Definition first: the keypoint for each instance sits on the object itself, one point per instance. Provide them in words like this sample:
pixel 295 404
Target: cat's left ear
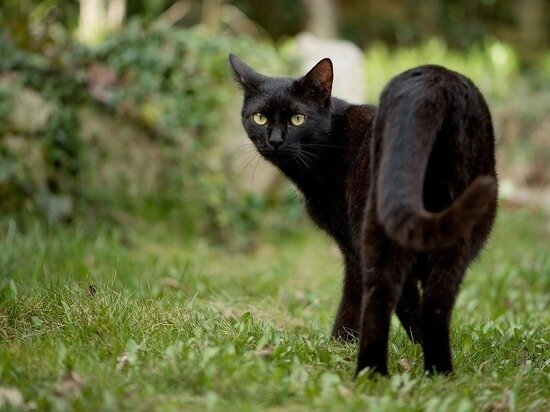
pixel 317 83
pixel 249 79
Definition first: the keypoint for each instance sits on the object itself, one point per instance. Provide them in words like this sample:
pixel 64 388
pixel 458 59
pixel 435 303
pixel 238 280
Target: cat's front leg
pixel 346 325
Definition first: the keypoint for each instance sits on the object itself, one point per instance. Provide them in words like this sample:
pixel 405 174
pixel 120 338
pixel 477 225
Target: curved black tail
pixel 407 146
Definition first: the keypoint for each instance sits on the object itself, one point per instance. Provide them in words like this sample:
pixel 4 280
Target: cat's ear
pixel 317 83
pixel 245 75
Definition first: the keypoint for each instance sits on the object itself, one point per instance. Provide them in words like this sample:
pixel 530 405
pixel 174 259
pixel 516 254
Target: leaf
pixel 67 311
pixel 169 283
pixel 13 287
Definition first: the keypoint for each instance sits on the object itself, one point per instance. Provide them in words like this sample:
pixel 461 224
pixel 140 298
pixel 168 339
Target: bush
pixel 493 67
pixel 172 83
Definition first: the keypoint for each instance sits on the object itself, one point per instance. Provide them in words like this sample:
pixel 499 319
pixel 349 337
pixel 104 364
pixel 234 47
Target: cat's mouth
pixel 274 154
pixel 280 152
pixel 288 156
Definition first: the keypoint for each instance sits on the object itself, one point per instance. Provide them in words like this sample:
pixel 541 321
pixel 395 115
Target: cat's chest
pixel 338 206
pixel 331 215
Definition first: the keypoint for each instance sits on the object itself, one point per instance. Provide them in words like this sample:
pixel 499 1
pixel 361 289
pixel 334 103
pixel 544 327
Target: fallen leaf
pixel 122 361
pixel 31 406
pixel 169 283
pixel 502 405
pixel 265 352
pixel 71 385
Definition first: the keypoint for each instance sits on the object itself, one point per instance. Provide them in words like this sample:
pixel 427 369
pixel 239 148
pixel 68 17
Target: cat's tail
pixel 400 185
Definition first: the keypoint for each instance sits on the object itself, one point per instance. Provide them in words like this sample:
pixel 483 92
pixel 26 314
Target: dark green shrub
pixel 174 84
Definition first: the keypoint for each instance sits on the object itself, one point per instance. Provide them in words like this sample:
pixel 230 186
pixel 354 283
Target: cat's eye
pixel 259 119
pixel 298 119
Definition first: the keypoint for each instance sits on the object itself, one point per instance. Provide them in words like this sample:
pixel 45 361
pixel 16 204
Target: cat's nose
pixel 275 138
pixel 276 143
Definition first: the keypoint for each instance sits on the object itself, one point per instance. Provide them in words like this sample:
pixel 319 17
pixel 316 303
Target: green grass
pixel 173 324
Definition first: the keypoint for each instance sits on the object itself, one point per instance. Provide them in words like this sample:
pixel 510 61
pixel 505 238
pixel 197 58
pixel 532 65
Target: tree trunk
pixel 322 19
pixel 532 15
pixel 96 17
pixel 116 14
pixel 210 15
pixel 91 20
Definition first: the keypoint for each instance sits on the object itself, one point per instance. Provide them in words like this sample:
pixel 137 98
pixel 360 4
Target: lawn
pixel 96 318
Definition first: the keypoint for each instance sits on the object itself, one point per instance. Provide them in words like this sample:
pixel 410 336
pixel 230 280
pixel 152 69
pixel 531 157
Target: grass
pixel 144 319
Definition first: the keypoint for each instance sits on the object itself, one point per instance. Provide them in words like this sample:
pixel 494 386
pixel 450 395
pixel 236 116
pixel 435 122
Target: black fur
pixel 407 190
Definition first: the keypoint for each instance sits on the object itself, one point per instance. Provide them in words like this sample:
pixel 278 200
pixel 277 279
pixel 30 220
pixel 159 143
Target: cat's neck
pixel 345 156
pixel 340 173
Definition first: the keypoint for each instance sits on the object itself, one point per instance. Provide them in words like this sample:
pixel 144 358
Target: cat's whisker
pixel 255 168
pixel 239 163
pixel 307 163
pixel 321 145
pixel 310 156
pixel 243 154
pixel 247 162
pixel 238 148
pixel 315 155
pixel 249 148
pixel 243 157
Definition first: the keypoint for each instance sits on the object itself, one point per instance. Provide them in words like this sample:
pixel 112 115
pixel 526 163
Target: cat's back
pixel 436 83
pixel 357 125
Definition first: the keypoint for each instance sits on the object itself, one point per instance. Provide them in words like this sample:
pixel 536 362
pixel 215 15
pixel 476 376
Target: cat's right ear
pixel 317 83
pixel 245 75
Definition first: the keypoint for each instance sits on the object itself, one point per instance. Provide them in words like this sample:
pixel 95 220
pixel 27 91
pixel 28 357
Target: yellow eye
pixel 259 119
pixel 298 119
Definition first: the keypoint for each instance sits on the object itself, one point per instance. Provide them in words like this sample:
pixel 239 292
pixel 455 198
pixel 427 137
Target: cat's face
pixel 286 119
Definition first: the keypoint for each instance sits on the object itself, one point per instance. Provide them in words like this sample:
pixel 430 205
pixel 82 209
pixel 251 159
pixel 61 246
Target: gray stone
pixel 347 59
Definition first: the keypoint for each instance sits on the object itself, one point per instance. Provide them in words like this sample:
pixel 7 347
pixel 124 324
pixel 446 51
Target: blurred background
pixel 123 113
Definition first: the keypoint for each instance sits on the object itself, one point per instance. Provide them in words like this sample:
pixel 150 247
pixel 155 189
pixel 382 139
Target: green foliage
pixel 6 95
pixel 34 25
pixel 41 147
pixel 172 79
pixel 174 88
pixel 172 83
pixel 494 68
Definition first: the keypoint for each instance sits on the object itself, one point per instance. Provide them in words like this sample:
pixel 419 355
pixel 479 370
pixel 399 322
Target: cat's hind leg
pixel 440 289
pixel 408 310
pixel 385 267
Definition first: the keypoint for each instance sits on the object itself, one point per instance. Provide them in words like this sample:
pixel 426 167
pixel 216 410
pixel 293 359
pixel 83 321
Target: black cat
pixel 408 190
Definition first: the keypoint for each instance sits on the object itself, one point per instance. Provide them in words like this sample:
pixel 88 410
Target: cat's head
pixel 286 118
